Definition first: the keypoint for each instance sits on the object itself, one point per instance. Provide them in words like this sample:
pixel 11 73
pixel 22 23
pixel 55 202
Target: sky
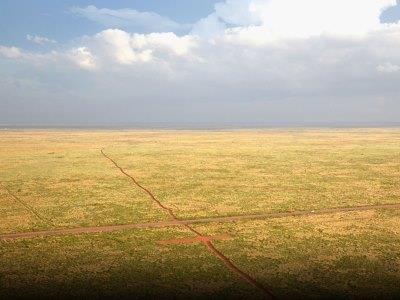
pixel 234 61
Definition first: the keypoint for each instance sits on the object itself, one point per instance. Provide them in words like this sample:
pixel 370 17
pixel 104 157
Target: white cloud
pixel 129 19
pixel 82 57
pixel 259 59
pixel 261 21
pixel 167 41
pixel 113 47
pixel 228 13
pixel 239 12
pixel 388 68
pixel 209 27
pixel 116 44
pixel 39 39
pixel 256 23
pixel 11 52
pixel 125 48
pixel 302 19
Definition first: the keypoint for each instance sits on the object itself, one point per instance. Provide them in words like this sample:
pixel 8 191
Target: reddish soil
pixel 206 240
pixel 267 291
pixel 196 239
pixel 207 243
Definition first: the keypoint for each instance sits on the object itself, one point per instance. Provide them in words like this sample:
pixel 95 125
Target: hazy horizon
pixel 200 125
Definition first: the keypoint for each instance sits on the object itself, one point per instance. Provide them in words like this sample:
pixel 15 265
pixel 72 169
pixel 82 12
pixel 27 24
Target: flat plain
pixel 54 180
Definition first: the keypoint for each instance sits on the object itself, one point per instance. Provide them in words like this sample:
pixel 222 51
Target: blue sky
pixel 54 19
pixel 391 14
pixel 272 61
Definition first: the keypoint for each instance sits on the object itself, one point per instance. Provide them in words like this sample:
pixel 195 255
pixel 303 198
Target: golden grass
pixel 64 177
pixel 197 173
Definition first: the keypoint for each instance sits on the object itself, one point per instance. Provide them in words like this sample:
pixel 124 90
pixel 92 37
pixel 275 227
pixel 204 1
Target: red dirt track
pixel 210 246
pixel 162 224
pixel 175 221
pixel 196 239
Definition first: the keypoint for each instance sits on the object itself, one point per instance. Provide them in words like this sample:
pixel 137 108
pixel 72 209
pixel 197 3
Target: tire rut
pixel 210 246
pixel 27 206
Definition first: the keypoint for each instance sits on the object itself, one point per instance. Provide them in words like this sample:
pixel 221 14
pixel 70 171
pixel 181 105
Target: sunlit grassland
pixel 118 265
pixel 352 255
pixel 64 177
pixel 346 255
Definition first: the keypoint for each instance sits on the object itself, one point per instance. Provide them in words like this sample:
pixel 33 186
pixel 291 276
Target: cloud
pixel 227 14
pixel 247 61
pixel 168 42
pixel 129 19
pixel 239 12
pixel 39 39
pixel 208 27
pixel 111 48
pixel 314 17
pixel 388 68
pixel 234 25
pixel 286 19
pixel 124 48
pixel 264 20
pixel 82 57
pixel 116 44
pixel 11 52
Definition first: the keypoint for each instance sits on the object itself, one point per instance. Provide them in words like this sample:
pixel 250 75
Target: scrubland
pixel 62 176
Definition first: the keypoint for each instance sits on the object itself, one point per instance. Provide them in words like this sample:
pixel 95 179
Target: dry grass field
pixel 59 179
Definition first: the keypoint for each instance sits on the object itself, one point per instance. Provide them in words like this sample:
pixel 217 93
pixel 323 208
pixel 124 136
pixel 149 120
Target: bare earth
pixel 272 215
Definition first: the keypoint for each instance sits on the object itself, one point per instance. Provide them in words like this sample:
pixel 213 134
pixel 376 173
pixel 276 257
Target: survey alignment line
pixel 210 246
pixel 172 223
pixel 27 206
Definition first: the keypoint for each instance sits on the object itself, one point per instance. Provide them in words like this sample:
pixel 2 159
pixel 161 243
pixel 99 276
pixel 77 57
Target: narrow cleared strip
pixel 162 224
pixel 196 239
pixel 27 206
pixel 82 230
pixel 208 244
